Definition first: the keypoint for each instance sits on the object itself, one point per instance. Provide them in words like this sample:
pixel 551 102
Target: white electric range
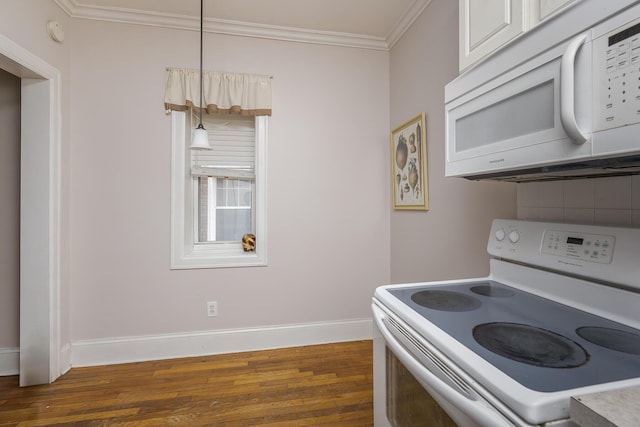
pixel 558 316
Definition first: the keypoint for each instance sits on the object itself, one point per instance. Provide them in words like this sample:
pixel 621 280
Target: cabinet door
pixel 542 9
pixel 485 25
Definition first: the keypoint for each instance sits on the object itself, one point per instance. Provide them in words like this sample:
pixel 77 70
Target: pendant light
pixel 200 138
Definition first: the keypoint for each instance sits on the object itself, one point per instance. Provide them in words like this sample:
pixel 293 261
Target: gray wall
pixel 9 210
pixel 449 241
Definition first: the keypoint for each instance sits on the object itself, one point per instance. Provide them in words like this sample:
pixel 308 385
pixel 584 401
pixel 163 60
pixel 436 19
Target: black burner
pixel 614 339
pixel 445 300
pixel 530 345
pixel 492 291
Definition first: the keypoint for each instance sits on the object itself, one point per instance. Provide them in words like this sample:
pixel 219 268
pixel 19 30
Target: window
pixel 218 195
pixel 224 209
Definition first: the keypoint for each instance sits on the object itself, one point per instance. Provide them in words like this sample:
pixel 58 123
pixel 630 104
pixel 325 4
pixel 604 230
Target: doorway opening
pixel 39 318
pixel 9 222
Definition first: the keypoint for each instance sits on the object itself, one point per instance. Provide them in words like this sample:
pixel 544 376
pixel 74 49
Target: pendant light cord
pixel 201 76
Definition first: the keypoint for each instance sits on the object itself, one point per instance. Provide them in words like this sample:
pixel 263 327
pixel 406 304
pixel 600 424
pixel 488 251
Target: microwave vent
pixel 596 168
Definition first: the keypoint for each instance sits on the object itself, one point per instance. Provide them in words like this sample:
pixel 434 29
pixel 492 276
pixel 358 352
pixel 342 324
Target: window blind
pixel 233 140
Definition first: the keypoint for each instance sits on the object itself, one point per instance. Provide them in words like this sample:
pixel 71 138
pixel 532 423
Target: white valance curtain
pixel 246 94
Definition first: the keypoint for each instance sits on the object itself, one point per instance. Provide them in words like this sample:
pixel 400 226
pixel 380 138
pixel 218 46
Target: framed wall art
pixel 409 165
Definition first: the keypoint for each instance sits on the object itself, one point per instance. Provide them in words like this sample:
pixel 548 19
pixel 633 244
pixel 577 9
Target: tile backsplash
pixel 604 201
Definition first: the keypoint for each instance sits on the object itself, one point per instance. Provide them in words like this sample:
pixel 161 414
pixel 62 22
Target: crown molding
pixel 220 26
pixel 405 22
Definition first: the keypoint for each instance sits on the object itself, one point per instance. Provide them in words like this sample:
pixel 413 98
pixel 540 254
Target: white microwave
pixel 570 111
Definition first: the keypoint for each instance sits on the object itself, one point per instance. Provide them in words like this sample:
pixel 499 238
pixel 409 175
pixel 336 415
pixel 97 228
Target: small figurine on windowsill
pixel 249 242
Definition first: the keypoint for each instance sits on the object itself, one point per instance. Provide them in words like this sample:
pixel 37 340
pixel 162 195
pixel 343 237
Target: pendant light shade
pixel 200 138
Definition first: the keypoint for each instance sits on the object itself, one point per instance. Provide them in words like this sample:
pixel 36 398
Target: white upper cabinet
pixel 486 25
pixel 542 9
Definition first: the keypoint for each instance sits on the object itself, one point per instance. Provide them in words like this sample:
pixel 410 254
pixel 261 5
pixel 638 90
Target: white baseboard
pixel 9 361
pixel 65 359
pixel 144 348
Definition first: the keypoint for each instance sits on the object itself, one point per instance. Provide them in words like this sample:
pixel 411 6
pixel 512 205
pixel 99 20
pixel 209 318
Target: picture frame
pixel 409 179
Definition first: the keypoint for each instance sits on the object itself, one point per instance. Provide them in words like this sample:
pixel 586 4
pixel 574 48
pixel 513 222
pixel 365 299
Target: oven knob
pixel 500 235
pixel 514 236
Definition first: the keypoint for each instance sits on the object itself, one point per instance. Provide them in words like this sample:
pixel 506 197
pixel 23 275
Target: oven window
pixel 408 404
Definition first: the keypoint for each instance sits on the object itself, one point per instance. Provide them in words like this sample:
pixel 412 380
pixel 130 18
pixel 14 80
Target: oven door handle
pixel 472 405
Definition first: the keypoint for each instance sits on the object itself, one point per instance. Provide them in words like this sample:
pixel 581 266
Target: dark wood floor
pixel 322 385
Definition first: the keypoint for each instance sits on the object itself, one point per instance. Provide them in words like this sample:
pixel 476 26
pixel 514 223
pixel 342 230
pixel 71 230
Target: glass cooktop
pixel 542 344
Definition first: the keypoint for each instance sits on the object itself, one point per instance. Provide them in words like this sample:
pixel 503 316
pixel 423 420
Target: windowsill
pixel 204 260
pixel 217 255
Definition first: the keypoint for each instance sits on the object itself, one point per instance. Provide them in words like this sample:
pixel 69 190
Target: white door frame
pixel 40 360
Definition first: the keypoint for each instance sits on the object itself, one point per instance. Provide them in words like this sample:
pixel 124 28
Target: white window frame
pixel 185 253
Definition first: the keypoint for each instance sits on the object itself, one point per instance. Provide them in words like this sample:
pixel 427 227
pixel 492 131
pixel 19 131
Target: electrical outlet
pixel 212 308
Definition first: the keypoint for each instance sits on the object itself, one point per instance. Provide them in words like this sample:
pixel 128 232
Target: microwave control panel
pixel 616 69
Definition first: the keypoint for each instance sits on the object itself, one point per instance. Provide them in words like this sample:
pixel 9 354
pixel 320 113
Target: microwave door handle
pixel 567 90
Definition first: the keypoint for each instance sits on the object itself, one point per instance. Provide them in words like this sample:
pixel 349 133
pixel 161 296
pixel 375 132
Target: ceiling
pixel 374 24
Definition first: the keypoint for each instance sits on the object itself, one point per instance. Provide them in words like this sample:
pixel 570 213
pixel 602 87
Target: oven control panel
pixel 586 247
pixel 610 254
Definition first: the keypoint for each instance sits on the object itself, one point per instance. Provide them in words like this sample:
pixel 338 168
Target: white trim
pixel 30 68
pixel 65 358
pixel 246 29
pixel 184 253
pixel 212 197
pixel 9 361
pixel 170 346
pixel 410 15
pixel 23 63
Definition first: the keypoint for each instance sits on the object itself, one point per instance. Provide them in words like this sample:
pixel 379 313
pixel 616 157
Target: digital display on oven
pixel 575 240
